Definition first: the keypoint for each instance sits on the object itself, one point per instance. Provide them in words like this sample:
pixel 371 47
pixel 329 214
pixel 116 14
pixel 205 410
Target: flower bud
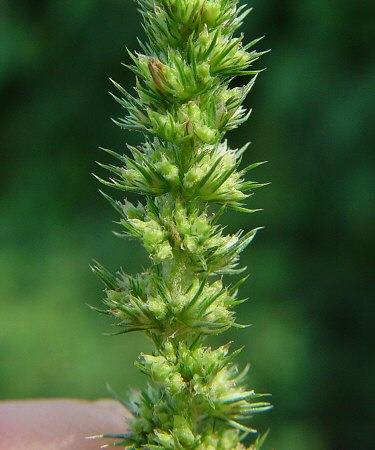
pixel 156 69
pixel 204 38
pixel 169 352
pixel 206 134
pixel 182 431
pixel 192 176
pixel 165 439
pixel 191 243
pixel 157 307
pixel 167 170
pixel 212 12
pixel 176 384
pixel 203 71
pixel 152 232
pixel 163 251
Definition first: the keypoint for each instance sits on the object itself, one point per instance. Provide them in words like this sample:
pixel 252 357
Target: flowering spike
pixel 184 104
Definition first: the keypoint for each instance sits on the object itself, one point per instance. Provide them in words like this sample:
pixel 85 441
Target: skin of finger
pixel 58 424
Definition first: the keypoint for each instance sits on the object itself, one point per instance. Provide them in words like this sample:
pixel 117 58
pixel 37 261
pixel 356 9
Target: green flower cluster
pixel 211 174
pixel 216 393
pixel 149 302
pixel 184 103
pixel 170 228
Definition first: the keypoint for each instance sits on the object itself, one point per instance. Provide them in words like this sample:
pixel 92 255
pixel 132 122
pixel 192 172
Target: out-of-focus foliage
pixel 312 268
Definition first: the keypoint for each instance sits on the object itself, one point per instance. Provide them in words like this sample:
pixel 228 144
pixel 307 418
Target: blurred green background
pixel 312 268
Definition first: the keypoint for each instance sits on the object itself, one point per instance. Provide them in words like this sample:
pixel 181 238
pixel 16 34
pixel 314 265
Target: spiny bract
pixel 184 103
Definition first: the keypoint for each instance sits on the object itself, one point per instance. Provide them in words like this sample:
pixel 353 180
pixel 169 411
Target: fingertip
pixel 59 424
